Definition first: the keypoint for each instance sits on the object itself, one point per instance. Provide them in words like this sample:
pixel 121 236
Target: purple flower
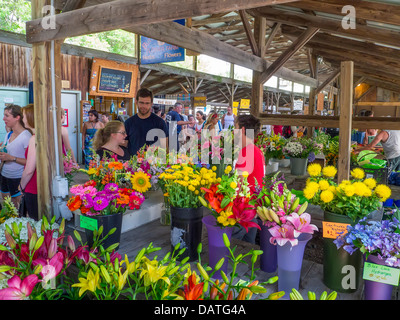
pixel 100 203
pixel 311 157
pixel 111 187
pixel 87 200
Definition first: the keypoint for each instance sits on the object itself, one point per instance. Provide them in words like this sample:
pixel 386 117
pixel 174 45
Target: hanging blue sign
pixel 154 51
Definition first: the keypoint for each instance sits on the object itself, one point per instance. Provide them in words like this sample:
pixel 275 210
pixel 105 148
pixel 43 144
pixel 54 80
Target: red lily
pixel 193 290
pixel 243 213
pixel 213 197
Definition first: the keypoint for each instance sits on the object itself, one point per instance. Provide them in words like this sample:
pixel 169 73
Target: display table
pixel 149 211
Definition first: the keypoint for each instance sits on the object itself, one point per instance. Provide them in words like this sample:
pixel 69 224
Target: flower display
pixel 355 198
pixel 271 145
pixel 301 147
pixel 280 210
pixel 111 200
pixel 380 238
pixel 70 167
pixel 183 183
pixel 229 200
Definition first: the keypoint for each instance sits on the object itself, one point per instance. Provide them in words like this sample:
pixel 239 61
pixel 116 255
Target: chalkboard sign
pixel 113 80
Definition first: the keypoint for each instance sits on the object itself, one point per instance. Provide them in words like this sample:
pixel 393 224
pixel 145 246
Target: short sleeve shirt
pixel 16 148
pixel 140 131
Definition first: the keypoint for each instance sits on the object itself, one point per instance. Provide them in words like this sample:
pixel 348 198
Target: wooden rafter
pixel 330 78
pixel 296 45
pixel 121 14
pixel 249 31
pixel 363 32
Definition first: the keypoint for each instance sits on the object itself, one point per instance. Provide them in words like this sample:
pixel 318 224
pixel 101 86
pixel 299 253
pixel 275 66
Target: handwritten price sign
pixel 333 229
pixel 382 274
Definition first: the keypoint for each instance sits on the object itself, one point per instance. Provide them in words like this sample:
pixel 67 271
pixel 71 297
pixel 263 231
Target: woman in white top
pixel 14 157
pixel 228 119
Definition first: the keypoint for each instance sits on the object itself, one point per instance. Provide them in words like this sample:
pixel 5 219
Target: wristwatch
pixel 15 159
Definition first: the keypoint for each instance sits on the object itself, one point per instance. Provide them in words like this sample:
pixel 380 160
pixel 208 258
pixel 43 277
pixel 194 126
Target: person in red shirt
pixel 250 163
pixel 251 158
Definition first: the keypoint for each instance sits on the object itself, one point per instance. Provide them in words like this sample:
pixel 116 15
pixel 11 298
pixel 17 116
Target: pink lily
pixel 243 213
pixel 302 223
pixel 17 289
pixel 51 268
pixel 283 234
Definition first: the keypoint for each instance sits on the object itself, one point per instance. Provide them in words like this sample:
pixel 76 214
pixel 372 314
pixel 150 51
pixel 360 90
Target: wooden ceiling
pixel 373 45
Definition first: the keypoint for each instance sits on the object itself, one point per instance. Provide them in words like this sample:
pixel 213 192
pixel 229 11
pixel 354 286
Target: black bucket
pixel 108 222
pixel 186 229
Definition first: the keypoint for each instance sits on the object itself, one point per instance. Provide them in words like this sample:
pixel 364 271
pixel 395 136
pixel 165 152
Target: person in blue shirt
pixel 145 128
pixel 175 122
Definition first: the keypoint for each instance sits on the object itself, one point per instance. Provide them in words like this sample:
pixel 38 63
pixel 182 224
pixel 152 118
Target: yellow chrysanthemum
pixel 349 190
pixel 326 196
pixel 309 193
pixel 357 173
pixel 233 185
pixel 370 183
pixel 360 188
pixel 329 171
pixel 323 185
pixel 383 192
pixel 140 182
pixel 314 169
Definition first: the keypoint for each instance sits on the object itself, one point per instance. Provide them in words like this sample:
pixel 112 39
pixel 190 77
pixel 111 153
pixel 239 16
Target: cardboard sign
pixel 88 223
pixel 381 274
pixel 333 229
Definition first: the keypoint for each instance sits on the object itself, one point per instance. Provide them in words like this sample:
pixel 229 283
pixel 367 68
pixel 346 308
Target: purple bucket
pixel 268 260
pixel 376 290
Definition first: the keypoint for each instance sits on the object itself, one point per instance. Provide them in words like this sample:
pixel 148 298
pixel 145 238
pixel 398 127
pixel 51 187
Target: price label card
pixel 382 274
pixel 333 229
pixel 88 223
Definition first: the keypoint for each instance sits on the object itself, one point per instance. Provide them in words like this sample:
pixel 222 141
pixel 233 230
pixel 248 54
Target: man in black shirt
pixel 145 128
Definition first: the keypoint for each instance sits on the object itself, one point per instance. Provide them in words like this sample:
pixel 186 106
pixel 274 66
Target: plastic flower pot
pixel 216 246
pixel 341 271
pixel 268 259
pixel 376 290
pixel 290 261
pixel 108 222
pixel 397 203
pixel 186 229
pixel 298 166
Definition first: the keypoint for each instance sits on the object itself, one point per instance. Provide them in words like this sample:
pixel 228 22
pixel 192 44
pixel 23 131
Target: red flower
pixel 243 213
pixel 193 290
pixel 213 197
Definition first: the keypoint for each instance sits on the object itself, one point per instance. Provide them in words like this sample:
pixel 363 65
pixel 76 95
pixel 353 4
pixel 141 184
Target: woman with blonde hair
pixel 109 141
pixel 28 183
pixel 212 123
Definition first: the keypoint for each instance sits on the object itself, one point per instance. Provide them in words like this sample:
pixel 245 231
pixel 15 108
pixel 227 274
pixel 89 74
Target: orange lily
pixel 245 291
pixel 193 290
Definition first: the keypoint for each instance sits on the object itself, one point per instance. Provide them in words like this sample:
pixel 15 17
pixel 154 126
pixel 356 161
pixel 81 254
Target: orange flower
pixel 74 203
pixel 123 199
pixel 115 165
pixel 193 290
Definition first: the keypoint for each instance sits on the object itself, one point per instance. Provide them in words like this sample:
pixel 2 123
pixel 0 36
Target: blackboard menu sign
pixel 113 80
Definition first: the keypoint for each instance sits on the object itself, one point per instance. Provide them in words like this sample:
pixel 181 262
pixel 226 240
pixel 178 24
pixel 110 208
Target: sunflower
pixel 140 182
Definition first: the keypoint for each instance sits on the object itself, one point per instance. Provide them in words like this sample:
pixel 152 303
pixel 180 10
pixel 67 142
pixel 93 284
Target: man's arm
pixel 381 136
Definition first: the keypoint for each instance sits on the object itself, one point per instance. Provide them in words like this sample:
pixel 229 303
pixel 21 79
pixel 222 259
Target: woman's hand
pixel 6 157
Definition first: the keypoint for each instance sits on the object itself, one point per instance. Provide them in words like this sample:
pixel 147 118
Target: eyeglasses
pixel 121 132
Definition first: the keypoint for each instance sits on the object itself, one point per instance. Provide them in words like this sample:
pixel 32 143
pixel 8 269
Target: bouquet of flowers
pixel 280 210
pixel 229 200
pixel 355 198
pixel 271 145
pixel 379 238
pixel 183 182
pixel 302 147
pixel 8 210
pixel 70 167
pixel 32 259
pixel 112 199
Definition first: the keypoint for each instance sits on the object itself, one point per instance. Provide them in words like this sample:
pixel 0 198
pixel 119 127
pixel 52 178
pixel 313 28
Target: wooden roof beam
pixel 290 52
pixel 122 14
pixel 249 32
pixel 363 32
pixel 332 77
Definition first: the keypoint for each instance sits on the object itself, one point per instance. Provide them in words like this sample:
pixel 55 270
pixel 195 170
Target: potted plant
pixel 344 203
pixel 377 241
pixel 300 151
pixel 183 184
pixel 272 147
pixel 229 203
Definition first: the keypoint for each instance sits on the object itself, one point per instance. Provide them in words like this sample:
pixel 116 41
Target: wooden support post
pixel 313 61
pixel 257 95
pixel 345 119
pixel 43 112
